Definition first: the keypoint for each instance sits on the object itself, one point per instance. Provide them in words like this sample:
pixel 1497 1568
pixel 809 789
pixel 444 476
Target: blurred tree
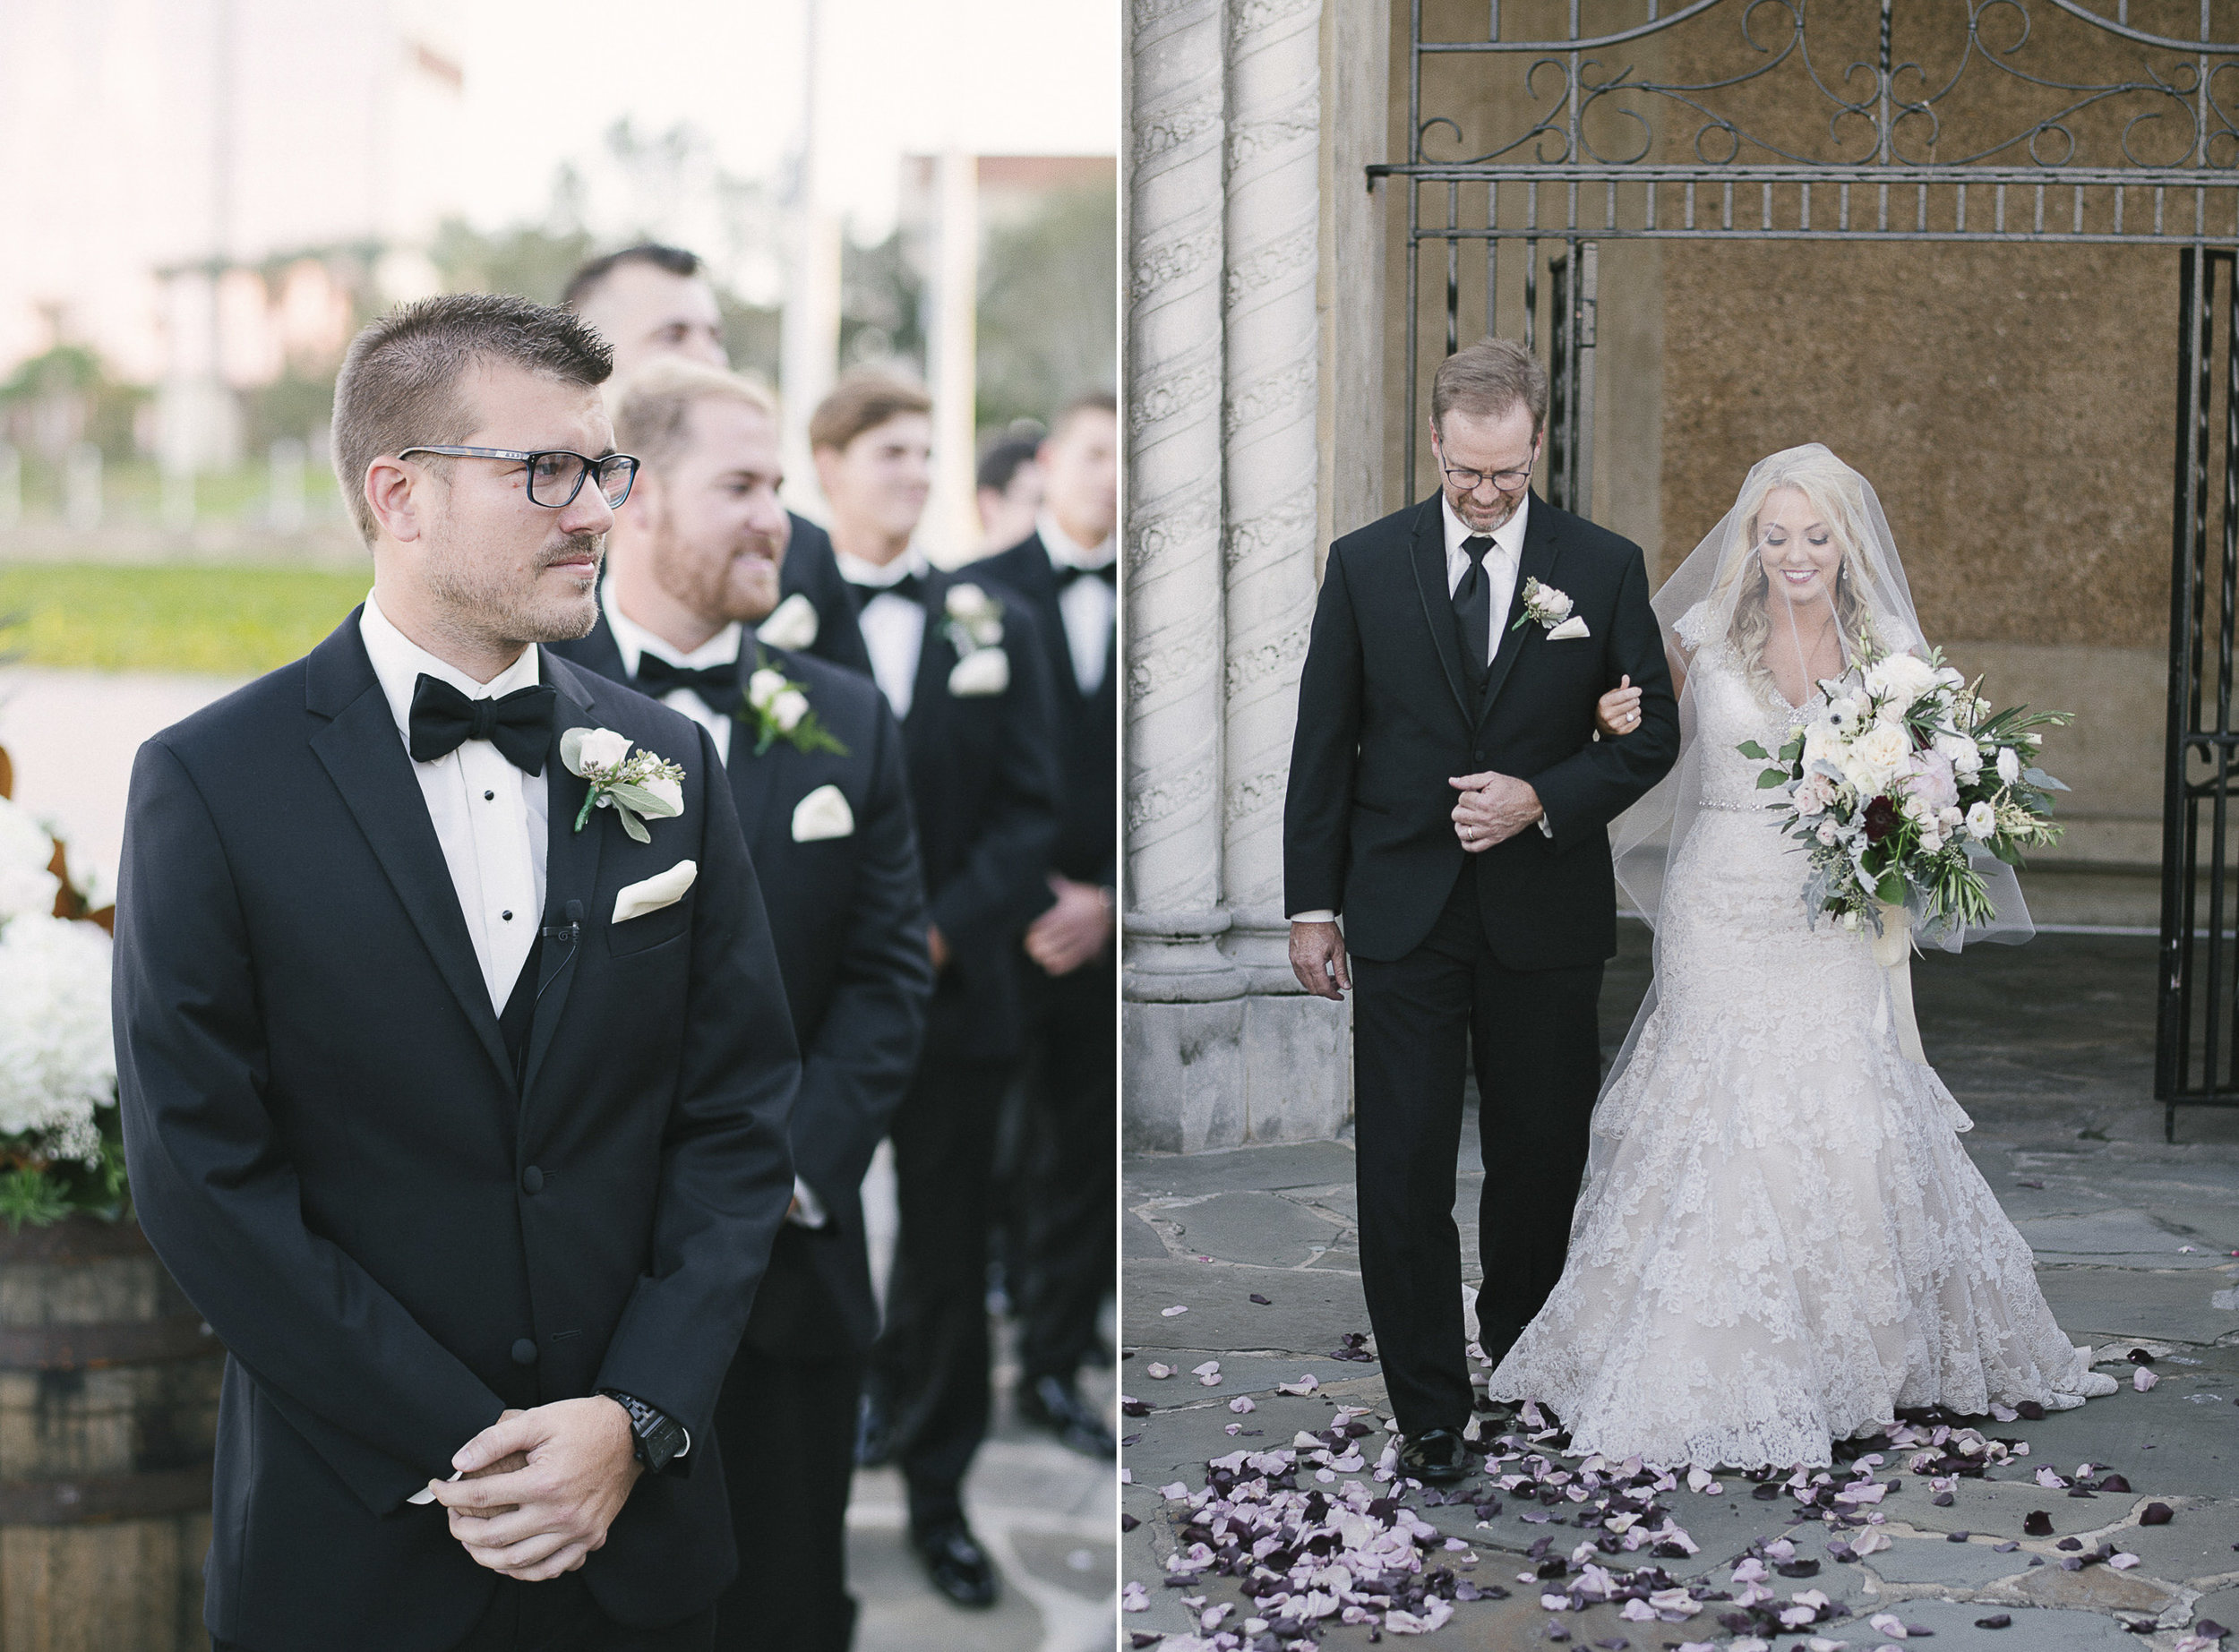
pixel 1048 310
pixel 65 395
pixel 882 303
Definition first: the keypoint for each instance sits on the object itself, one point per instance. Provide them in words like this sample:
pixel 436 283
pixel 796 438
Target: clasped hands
pixel 1492 809
pixel 537 1489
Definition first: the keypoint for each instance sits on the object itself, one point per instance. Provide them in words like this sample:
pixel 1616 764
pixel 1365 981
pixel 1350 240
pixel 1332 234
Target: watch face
pixel 661 1441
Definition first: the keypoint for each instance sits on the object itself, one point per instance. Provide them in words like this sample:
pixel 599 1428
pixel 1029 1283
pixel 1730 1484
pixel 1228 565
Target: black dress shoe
pixel 954 1559
pixel 1050 1402
pixel 1435 1457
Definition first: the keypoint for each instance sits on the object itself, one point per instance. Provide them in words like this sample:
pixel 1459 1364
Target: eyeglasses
pixel 555 478
pixel 1507 481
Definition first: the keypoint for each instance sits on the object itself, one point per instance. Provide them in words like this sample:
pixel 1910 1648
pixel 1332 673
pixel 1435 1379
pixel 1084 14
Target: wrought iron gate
pixel 1575 146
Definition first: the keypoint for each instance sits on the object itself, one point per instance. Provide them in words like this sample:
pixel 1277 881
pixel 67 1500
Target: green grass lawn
pixel 217 620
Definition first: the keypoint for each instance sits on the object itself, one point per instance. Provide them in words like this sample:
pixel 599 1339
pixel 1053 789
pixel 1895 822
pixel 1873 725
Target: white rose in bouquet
pixel 1902 678
pixel 57 1056
pixel 1930 779
pixel 2009 764
pixel 1982 821
pixel 1874 758
pixel 1827 832
pixel 1814 794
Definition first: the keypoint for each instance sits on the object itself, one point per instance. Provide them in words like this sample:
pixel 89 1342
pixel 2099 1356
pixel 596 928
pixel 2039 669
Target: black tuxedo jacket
pixel 396 1241
pixel 847 916
pixel 983 786
pixel 1088 725
pixel 1385 717
pixel 810 570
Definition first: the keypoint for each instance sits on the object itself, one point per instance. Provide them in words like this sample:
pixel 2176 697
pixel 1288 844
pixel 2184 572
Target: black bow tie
pixel 909 588
pixel 1109 573
pixel 717 685
pixel 519 724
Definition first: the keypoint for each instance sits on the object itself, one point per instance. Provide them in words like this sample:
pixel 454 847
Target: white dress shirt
pixel 1500 563
pixel 1086 604
pixel 490 817
pixel 730 644
pixel 893 627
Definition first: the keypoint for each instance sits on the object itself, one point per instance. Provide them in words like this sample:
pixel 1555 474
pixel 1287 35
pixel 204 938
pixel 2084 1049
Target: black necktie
pixel 719 685
pixel 1473 607
pixel 519 724
pixel 909 588
pixel 1109 573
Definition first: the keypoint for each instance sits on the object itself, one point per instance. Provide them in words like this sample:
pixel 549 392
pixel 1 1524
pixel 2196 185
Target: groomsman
pixel 1068 571
pixel 961 661
pixel 815 764
pixel 458 1109
pixel 649 301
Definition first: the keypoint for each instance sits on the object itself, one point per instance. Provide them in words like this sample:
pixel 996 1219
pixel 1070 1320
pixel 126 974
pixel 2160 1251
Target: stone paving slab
pixel 2049 1048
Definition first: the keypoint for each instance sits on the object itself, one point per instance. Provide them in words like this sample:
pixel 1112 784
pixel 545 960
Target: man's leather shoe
pixel 956 1562
pixel 1050 1402
pixel 1435 1457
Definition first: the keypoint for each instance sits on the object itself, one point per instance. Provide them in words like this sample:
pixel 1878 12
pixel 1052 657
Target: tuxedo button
pixel 524 1352
pixel 532 1180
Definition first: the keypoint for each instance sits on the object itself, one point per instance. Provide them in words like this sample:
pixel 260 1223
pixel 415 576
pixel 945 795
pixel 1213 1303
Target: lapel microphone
pixel 570 931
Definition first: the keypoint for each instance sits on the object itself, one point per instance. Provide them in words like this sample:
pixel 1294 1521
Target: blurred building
pixel 200 185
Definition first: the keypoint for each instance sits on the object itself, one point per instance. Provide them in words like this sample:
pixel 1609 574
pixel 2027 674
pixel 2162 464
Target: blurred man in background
pixel 650 301
pixel 1066 570
pixel 1009 488
pixel 962 662
pixel 822 797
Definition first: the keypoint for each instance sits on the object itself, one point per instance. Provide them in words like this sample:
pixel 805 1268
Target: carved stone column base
pixel 1182 1090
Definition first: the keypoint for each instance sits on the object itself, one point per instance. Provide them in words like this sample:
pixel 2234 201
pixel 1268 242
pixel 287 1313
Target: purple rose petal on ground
pixel 2002 1620
pixel 2115 1483
pixel 2154 1514
pixel 1262 1300
pixel 2036 1523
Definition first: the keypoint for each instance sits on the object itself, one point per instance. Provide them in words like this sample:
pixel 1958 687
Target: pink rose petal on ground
pixel 1306 1384
pixel 2142 1379
pixel 1135 1597
pixel 1170 1312
pixel 1241 1404
pixel 2122 1563
pixel 1158 1371
pixel 1888 1623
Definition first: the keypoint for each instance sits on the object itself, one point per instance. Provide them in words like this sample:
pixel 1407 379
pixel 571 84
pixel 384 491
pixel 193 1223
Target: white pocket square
pixel 1570 627
pixel 823 813
pixel 982 672
pixel 662 889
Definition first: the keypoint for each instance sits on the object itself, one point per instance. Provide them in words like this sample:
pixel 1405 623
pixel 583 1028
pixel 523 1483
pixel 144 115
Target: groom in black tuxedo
pixel 815 764
pixel 458 1110
pixel 1449 799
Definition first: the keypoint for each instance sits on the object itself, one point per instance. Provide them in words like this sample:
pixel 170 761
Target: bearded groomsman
pixel 456 1102
pixel 649 301
pixel 1068 571
pixel 815 765
pixel 963 664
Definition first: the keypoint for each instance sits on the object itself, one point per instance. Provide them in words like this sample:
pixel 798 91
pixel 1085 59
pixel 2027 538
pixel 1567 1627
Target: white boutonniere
pixel 791 624
pixel 974 625
pixel 638 786
pixel 778 709
pixel 1544 604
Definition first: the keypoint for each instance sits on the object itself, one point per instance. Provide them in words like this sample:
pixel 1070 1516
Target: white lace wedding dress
pixel 1785 1241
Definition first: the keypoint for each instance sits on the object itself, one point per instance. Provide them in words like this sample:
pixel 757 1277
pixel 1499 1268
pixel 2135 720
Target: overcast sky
pixel 901 76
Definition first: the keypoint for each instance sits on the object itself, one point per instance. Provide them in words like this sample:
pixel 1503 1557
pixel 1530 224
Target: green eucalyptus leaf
pixel 643 802
pixel 631 823
pixel 1770 778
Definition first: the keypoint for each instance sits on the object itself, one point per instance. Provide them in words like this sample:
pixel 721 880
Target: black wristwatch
pixel 658 1438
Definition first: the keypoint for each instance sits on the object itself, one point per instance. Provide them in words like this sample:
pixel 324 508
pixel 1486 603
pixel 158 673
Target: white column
pixel 808 328
pixel 1295 1067
pixel 1184 1020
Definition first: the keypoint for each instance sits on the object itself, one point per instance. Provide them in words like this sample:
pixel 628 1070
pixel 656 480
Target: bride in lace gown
pixel 1782 1240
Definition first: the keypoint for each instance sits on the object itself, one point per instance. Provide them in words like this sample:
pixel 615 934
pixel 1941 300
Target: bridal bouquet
pixel 1900 783
pixel 61 1140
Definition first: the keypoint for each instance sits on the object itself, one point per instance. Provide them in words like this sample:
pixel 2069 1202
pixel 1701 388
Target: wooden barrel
pixel 108 1410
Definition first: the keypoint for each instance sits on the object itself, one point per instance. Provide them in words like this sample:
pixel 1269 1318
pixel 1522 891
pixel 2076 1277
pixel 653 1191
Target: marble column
pixel 1182 1028
pixel 1295 1049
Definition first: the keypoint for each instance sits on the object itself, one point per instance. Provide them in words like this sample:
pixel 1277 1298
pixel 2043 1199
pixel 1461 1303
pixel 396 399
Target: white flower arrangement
pixel 61 1146
pixel 974 624
pixel 1900 780
pixel 1542 603
pixel 638 788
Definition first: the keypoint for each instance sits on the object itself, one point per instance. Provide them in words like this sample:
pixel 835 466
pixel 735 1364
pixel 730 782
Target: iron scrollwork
pixel 1881 112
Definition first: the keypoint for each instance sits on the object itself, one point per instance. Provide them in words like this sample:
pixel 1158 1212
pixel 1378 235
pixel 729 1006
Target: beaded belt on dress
pixel 1742 807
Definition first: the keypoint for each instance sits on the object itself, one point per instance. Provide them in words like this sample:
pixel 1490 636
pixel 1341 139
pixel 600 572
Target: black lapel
pixel 935 657
pixel 570 861
pixel 365 756
pixel 1429 553
pixel 1540 547
pixel 754 781
pixel 1031 574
